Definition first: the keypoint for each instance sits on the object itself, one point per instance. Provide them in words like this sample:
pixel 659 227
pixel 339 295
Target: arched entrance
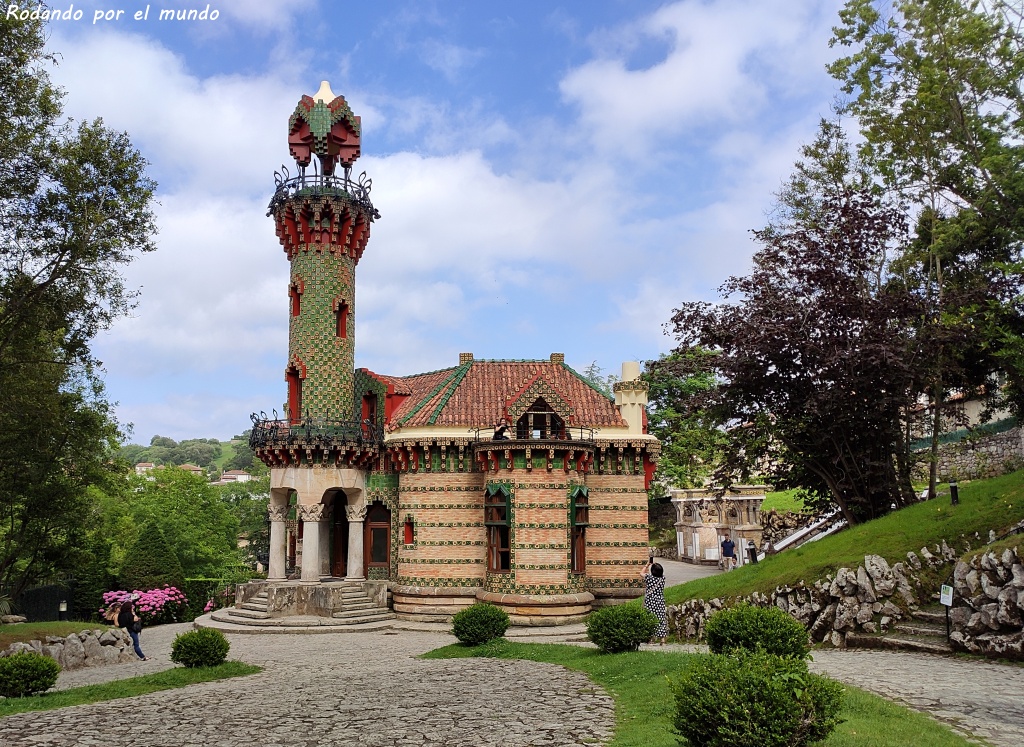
pixel 377 539
pixel 339 535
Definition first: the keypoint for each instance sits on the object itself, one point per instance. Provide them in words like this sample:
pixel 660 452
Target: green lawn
pixel 25 632
pixel 996 504
pixel 149 683
pixel 639 682
pixel 783 501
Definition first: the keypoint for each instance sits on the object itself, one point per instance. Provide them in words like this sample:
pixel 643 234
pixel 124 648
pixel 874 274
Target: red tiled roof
pixel 479 393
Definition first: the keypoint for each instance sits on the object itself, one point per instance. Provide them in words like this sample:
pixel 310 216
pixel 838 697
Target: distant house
pixel 232 476
pixel 143 468
pixel 193 469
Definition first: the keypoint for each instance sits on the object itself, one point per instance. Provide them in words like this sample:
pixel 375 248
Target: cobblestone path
pixel 329 690
pixel 976 697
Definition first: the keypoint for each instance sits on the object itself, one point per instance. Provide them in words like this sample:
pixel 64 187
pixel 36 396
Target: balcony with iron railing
pixel 316 184
pixel 321 433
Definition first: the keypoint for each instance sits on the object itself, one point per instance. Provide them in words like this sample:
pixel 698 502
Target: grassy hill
pixel 996 504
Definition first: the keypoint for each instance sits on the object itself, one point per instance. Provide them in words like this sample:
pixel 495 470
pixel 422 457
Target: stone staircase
pixel 924 633
pixel 357 610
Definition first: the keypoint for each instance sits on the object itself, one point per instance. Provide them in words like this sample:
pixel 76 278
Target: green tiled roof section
pixel 461 372
pixel 586 381
pixel 436 390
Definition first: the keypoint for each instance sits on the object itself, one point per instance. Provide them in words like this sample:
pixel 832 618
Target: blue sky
pixel 551 176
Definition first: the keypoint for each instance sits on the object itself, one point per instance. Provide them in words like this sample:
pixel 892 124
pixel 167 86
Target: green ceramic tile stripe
pixel 451 390
pixel 589 383
pixel 434 392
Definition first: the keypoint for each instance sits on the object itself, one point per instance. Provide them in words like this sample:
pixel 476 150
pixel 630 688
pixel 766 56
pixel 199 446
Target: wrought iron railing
pixel 275 432
pixel 573 433
pixel 316 184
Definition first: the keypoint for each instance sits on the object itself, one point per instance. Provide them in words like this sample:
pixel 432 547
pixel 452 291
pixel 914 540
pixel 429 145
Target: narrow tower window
pixel 294 394
pixel 579 508
pixel 296 298
pixel 342 319
pixel 496 519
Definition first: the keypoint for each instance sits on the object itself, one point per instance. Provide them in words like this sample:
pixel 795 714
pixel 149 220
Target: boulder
pixel 73 655
pixel 915 563
pixel 54 651
pixel 12 619
pixel 990 589
pixel 881 574
pixel 1017 571
pixel 93 651
pixel 864 614
pixel 865 592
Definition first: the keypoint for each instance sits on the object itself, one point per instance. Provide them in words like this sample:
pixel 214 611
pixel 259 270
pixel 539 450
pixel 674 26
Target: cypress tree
pixel 150 562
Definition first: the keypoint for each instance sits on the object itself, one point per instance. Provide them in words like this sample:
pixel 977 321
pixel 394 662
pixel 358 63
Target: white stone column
pixel 311 517
pixel 325 543
pixel 356 515
pixel 278 542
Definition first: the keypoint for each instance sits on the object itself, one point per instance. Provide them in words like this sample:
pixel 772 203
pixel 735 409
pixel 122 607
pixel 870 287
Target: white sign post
pixel 946 599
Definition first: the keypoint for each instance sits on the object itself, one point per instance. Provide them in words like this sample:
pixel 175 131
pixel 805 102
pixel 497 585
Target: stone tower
pixel 323 222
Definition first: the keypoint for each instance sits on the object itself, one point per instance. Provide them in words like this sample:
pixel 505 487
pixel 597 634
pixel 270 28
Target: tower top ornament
pixel 324 125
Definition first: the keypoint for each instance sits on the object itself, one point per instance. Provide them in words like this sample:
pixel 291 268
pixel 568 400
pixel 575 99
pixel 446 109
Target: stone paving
pixel 977 698
pixel 367 689
pixel 327 690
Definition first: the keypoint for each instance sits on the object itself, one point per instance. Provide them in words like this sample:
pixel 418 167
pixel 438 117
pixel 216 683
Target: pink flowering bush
pixel 153 607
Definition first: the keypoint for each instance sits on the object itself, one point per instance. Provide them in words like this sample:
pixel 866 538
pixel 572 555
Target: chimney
pixel 465 358
pixel 558 357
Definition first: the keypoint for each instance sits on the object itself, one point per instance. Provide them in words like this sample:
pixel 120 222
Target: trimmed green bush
pixel 150 563
pixel 754 698
pixel 205 647
pixel 479 623
pixel 767 629
pixel 620 628
pixel 27 673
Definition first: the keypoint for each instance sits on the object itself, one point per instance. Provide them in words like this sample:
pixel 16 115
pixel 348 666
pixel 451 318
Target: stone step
pixel 898 643
pixel 922 630
pixel 937 617
pixel 249 614
pixel 368 615
pixel 255 606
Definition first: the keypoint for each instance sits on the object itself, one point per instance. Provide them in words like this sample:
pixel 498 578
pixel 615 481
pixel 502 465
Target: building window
pixel 409 533
pixel 540 421
pixel 342 320
pixel 377 536
pixel 496 520
pixel 296 297
pixel 579 507
pixel 294 395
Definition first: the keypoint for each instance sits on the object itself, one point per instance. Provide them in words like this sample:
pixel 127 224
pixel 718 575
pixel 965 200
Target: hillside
pixel 997 503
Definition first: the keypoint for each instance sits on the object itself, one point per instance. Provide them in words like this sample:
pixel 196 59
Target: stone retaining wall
pixel 90 648
pixel 988 604
pixel 972 459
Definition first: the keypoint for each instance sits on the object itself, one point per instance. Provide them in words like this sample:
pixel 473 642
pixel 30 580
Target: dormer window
pixel 540 422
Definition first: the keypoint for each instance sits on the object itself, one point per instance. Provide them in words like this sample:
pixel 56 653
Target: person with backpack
pixel 127 619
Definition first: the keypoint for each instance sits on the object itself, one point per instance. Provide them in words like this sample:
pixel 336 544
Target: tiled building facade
pixel 405 480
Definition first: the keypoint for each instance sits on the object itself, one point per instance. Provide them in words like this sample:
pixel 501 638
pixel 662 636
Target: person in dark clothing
pixel 501 431
pixel 728 553
pixel 127 619
pixel 653 577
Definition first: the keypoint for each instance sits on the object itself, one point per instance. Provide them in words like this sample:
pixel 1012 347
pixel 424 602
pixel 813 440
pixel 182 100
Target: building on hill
pixel 509 481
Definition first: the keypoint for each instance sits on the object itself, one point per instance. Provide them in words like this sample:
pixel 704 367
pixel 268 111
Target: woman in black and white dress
pixel 654 597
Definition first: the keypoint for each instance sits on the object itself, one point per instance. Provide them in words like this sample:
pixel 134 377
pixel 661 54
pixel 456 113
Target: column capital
pixel 356 513
pixel 277 513
pixel 314 512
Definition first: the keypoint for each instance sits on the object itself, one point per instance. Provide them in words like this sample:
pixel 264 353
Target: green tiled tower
pixel 323 223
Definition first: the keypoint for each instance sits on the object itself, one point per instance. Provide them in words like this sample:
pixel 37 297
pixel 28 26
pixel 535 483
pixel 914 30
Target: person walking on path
pixel 728 553
pixel 654 597
pixel 131 622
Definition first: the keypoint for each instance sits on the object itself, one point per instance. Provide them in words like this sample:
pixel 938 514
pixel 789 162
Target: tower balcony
pixel 355 192
pixel 312 440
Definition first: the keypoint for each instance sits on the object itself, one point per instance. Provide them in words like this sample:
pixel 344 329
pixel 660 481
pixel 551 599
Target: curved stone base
pixel 539 610
pixel 430 604
pixel 611 597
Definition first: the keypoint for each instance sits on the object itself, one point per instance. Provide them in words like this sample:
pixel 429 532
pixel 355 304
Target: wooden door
pixel 377 538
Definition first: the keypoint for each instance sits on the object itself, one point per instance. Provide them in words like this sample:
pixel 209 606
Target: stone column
pixel 278 542
pixel 356 515
pixel 311 517
pixel 325 542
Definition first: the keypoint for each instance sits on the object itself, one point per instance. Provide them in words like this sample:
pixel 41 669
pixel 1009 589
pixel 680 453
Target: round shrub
pixel 754 698
pixel 767 629
pixel 205 647
pixel 479 623
pixel 27 673
pixel 621 628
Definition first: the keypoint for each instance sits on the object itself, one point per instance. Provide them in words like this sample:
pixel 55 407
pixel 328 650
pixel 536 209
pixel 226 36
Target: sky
pixel 551 176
